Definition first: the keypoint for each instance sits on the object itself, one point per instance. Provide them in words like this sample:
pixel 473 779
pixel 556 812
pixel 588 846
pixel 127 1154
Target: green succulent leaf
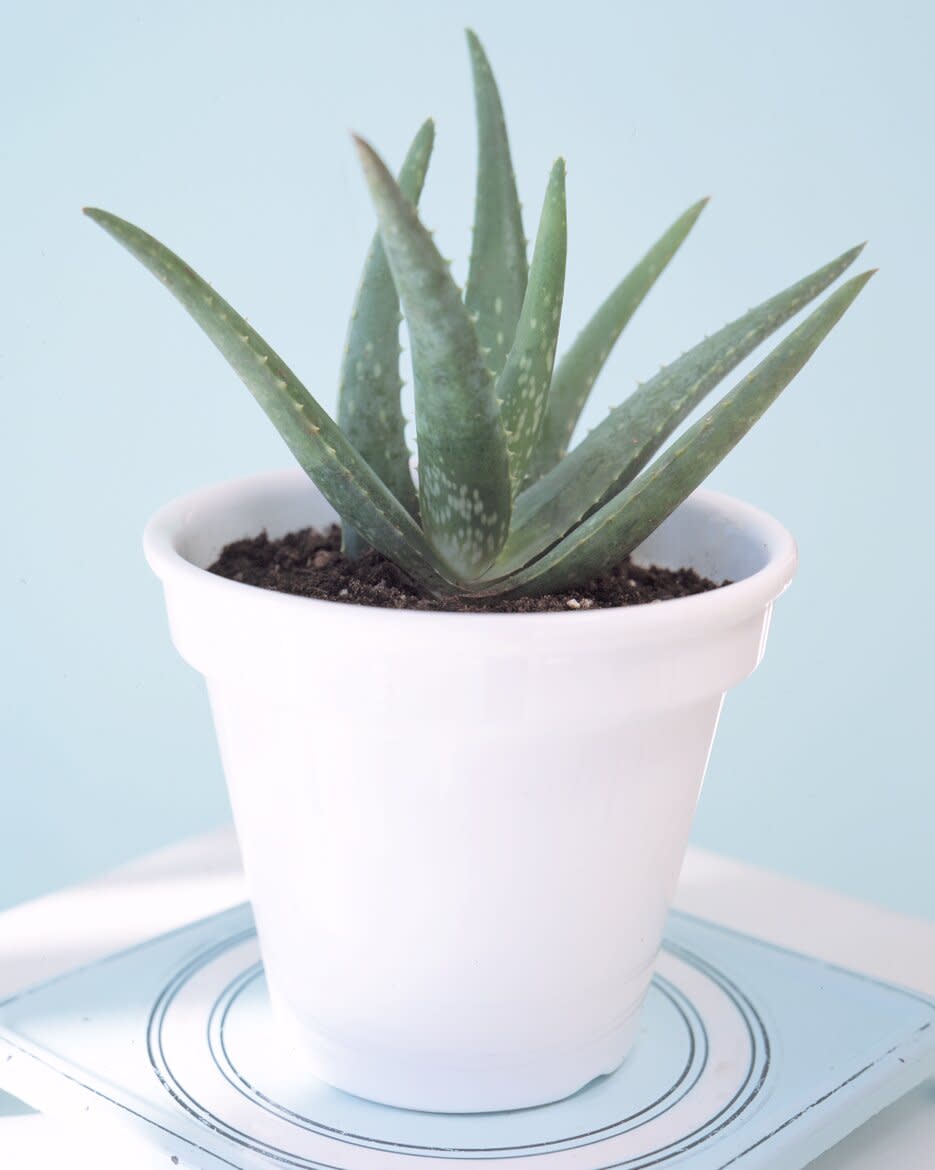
pixel 369 410
pixel 578 369
pixel 464 476
pixel 497 276
pixel 523 387
pixel 617 528
pixel 316 441
pixel 624 442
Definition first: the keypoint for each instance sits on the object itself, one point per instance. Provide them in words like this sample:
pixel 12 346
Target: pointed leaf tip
pixel 692 215
pixel 850 288
pixel 368 156
pixel 852 253
pixel 474 42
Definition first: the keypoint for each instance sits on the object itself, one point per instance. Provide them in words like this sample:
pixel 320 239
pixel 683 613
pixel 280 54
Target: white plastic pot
pixel 462 832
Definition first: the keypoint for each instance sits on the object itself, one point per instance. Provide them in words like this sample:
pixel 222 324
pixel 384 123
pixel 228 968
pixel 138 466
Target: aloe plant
pixel 501 507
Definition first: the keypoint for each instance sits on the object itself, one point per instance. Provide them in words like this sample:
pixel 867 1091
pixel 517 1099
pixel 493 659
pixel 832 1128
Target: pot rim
pixel 725 605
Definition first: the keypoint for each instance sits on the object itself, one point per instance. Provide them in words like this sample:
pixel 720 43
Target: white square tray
pixel 750 1056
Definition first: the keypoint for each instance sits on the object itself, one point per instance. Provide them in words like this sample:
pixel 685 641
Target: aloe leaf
pixel 464 476
pixel 614 531
pixel 369 410
pixel 523 387
pixel 624 442
pixel 497 275
pixel 578 369
pixel 316 440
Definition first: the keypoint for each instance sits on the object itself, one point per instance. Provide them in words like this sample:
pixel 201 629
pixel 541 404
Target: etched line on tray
pixel 700 1134
pixel 613 1129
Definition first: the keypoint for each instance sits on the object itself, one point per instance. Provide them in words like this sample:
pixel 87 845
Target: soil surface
pixel 310 563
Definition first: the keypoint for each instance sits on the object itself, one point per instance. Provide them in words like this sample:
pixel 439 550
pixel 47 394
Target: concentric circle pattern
pixel 701 1059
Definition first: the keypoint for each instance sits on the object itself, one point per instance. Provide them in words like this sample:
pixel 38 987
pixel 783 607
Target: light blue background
pixel 221 126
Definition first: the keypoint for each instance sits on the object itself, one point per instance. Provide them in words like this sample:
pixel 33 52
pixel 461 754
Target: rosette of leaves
pixel 501 506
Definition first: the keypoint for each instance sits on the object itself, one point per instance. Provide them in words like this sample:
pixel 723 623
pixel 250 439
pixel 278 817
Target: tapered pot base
pixel 451 1082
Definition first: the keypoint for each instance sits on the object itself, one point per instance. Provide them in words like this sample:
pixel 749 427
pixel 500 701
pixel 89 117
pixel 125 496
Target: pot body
pixel 462 832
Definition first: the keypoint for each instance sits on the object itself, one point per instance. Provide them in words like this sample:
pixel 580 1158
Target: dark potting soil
pixel 309 563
